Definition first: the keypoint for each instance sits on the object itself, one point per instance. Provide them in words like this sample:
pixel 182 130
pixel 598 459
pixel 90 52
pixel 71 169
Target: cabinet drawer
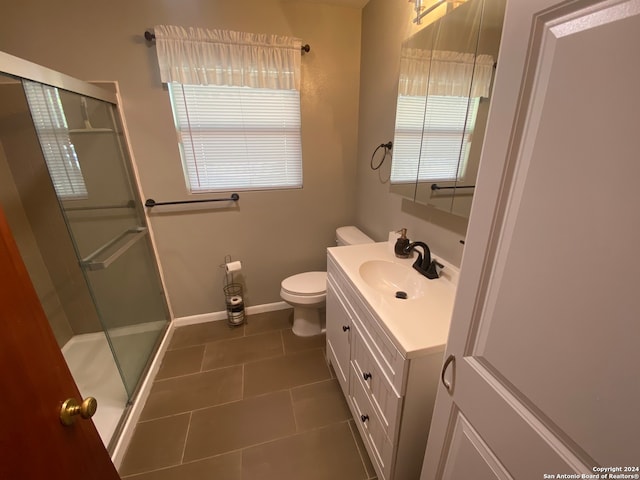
pixel 370 427
pixel 390 359
pixel 381 393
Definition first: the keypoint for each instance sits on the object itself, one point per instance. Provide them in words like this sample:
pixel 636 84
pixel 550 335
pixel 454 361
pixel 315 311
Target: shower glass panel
pixel 67 192
pixel 30 203
pixel 82 143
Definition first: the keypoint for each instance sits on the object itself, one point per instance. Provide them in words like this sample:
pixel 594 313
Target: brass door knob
pixel 70 409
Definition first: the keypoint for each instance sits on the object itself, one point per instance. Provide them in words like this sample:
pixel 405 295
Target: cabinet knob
pixel 366 375
pixel 364 418
pixel 346 328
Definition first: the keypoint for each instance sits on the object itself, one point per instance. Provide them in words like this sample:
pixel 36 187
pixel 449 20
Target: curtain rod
pixel 150 37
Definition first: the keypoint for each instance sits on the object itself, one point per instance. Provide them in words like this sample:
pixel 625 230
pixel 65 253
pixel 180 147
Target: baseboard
pixel 136 409
pixel 215 316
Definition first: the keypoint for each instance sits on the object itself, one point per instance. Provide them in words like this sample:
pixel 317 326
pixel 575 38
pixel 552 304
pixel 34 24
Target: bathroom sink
pixel 389 278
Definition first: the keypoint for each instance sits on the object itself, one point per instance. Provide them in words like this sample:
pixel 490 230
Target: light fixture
pixel 421 12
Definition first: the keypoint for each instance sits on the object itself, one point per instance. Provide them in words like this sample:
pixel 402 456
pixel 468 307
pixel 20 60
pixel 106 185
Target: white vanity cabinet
pixel 390 391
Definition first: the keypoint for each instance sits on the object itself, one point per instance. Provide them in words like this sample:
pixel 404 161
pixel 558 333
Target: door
pixel 35 381
pixel 542 371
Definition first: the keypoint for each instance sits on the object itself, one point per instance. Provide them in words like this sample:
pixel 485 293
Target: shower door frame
pixel 27 70
pixel 19 67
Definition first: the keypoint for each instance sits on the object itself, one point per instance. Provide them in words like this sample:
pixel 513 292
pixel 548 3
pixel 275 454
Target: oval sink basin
pixel 388 278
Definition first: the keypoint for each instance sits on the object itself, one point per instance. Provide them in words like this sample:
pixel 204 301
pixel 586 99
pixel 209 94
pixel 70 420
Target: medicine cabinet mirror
pixel 444 89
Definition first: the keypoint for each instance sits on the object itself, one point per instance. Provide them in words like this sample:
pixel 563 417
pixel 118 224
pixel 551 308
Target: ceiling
pixel 343 3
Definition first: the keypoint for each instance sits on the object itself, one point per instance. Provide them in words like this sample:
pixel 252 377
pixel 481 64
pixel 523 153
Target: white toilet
pixel 307 292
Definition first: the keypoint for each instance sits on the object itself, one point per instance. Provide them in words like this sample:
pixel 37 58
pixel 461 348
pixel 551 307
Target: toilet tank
pixel 351 235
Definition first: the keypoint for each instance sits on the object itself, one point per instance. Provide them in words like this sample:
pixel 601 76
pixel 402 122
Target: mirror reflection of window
pixel 447 120
pixel 436 113
pixel 53 133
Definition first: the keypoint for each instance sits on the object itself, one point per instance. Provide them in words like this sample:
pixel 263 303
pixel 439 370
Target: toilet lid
pixel 308 283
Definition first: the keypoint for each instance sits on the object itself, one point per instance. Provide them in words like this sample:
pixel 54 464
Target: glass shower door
pixel 82 142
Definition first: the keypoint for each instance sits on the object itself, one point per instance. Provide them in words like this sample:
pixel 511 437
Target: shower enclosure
pixel 68 191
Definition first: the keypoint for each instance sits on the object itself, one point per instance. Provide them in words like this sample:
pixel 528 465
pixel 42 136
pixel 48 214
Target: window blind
pixel 238 138
pixel 53 133
pixel 432 138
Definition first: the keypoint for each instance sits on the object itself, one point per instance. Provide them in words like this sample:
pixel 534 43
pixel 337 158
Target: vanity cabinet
pixel 391 392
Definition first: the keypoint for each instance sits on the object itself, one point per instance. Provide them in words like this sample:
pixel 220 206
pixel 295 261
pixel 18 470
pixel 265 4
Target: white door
pixel 545 339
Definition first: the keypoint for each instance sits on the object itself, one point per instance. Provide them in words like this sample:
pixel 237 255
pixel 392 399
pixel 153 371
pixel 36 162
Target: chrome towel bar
pixel 131 236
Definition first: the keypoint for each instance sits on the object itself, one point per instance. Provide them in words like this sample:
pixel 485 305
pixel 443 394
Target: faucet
pixel 424 265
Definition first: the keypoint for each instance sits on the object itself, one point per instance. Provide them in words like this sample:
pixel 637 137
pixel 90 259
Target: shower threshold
pixel 94 370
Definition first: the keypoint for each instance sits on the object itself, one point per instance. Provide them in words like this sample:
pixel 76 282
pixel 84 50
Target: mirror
pixel 446 75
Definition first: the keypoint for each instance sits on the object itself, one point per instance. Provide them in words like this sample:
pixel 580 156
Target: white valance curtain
pixel 198 56
pixel 444 73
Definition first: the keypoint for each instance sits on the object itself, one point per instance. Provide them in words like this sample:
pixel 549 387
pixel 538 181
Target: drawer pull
pixel 346 328
pixel 366 375
pixel 364 418
pixel 451 359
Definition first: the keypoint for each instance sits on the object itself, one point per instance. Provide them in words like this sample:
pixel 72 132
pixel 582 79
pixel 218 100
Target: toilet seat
pixel 308 284
pixel 307 292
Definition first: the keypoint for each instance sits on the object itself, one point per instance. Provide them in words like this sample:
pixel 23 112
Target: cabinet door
pixel 545 326
pixel 377 386
pixel 371 428
pixel 338 335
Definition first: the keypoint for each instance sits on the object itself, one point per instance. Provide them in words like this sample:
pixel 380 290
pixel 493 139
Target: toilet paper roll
pixel 235 300
pixel 237 317
pixel 233 266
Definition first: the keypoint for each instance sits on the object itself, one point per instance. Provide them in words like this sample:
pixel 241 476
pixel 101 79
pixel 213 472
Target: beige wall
pixel 274 233
pixel 385 25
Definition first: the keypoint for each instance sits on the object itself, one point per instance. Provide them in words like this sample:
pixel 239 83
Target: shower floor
pixel 94 370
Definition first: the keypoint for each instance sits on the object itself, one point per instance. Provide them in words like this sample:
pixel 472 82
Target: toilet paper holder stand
pixel 233 294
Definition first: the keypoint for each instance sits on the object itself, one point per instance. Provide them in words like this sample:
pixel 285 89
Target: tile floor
pixel 252 402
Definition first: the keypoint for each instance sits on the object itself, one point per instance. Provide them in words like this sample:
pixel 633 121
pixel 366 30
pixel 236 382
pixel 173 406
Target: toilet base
pixel 308 322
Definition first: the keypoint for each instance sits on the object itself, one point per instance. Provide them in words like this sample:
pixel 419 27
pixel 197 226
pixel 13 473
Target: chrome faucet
pixel 424 265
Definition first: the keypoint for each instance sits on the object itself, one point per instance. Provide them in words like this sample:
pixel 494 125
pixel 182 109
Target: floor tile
pixel 241 350
pixel 246 403
pixel 202 333
pixel 319 404
pixel 293 343
pixel 156 444
pixel 240 424
pixel 327 453
pixel 285 372
pixel 182 361
pixel 222 467
pixel 269 321
pixel 190 392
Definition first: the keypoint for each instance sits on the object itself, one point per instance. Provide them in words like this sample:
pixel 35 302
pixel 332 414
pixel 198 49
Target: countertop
pixel 417 326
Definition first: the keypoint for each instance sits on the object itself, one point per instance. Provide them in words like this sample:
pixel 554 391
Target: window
pixel 53 133
pixel 236 106
pixel 234 138
pixel 440 153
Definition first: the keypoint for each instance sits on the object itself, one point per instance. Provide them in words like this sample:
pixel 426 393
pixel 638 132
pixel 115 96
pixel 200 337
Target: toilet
pixel 307 292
